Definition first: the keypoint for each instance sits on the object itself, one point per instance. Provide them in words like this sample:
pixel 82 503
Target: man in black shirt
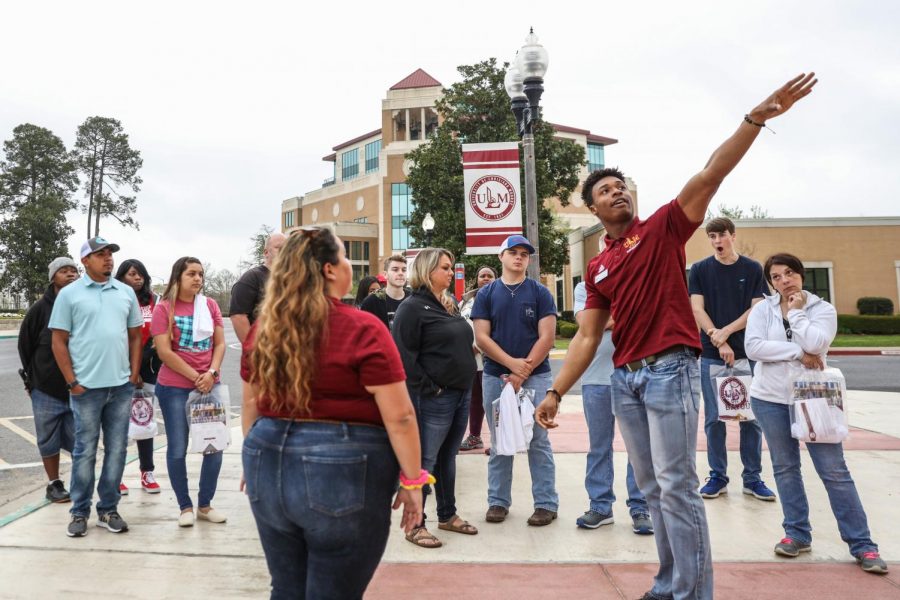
pixel 54 423
pixel 383 303
pixel 247 293
pixel 723 288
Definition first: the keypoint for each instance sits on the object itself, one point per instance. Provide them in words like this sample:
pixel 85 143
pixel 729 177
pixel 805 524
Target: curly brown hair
pixel 293 321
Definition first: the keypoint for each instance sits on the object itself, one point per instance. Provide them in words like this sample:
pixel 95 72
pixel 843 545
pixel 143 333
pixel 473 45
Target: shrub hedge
pixel 566 329
pixel 875 306
pixel 869 324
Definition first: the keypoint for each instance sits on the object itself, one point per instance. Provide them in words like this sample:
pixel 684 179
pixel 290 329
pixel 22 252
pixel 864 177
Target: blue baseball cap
pixel 516 240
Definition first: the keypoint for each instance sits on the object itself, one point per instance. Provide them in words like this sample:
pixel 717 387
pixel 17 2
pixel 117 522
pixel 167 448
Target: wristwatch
pixel 214 373
pixel 74 384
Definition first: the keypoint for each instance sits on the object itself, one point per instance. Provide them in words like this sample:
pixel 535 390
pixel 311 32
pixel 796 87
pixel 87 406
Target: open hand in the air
pixel 784 97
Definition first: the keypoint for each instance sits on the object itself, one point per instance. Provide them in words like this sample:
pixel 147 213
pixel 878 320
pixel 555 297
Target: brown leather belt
pixel 654 358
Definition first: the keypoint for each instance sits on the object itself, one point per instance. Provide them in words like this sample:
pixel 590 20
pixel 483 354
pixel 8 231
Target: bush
pixel 566 329
pixel 869 324
pixel 875 306
pixel 568 315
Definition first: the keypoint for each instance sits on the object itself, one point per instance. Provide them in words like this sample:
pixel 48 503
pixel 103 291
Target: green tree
pixel 736 212
pixel 37 179
pixel 475 110
pixel 109 164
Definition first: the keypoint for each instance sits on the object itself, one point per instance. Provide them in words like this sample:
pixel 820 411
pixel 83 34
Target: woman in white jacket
pixel 789 329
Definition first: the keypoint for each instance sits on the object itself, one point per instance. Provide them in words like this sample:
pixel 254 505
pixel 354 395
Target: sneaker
pixel 123 489
pixel 641 524
pixel 791 548
pixel 541 517
pixel 652 596
pixel 496 514
pixel 715 487
pixel 77 526
pixel 760 491
pixel 211 515
pixel 56 492
pixel 113 522
pixel 473 442
pixel 871 562
pixel 186 519
pixel 593 519
pixel 148 482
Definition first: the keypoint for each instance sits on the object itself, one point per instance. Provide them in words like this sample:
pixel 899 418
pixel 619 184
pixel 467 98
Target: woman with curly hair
pixel 332 427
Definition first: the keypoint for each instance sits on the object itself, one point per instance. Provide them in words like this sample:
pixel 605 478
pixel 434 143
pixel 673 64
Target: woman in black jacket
pixel 435 344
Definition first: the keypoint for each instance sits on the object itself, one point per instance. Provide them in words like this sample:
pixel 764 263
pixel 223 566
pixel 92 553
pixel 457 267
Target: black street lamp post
pixel 524 83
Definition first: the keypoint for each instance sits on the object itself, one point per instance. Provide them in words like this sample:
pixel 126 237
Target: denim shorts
pixel 53 423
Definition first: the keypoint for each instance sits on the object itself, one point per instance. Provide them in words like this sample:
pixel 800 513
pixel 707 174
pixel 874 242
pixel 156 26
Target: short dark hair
pixel 720 225
pixel 393 258
pixel 592 180
pixel 785 260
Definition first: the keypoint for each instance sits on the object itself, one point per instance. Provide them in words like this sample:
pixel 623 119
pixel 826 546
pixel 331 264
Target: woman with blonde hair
pixel 436 346
pixel 332 427
pixel 189 337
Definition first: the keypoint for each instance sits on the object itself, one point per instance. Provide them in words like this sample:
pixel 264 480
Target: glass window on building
pixel 372 151
pixel 415 123
pixel 358 255
pixel 289 219
pixel 560 297
pixel 816 281
pixel 402 205
pixel 594 156
pixel 349 164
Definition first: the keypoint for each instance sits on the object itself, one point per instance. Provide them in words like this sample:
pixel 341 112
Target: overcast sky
pixel 233 105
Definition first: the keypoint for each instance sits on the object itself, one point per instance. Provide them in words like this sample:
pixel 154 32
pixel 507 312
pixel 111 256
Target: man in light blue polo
pixel 96 324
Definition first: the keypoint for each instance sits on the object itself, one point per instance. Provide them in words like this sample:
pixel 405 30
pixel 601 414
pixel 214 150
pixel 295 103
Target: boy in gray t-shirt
pixel 598 479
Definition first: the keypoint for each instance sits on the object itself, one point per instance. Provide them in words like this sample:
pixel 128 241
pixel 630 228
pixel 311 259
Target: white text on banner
pixel 493 201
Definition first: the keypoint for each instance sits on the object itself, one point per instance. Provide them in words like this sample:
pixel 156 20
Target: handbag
pixel 818 410
pixel 142 423
pixel 732 386
pixel 208 418
pixel 513 420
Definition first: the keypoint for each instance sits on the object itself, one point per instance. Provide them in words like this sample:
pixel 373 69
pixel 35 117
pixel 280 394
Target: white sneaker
pixel 186 519
pixel 212 515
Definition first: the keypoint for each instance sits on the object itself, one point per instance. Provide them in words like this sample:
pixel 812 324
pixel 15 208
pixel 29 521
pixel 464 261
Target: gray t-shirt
pixel 600 370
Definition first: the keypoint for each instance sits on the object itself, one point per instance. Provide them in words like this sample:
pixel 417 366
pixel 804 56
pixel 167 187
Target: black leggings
pixel 145 454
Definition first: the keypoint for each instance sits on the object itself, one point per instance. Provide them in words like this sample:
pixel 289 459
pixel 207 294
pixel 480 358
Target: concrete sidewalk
pixel 156 559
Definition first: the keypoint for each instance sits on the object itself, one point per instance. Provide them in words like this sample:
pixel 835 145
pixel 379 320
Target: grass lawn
pixel 841 341
pixel 562 343
pixel 846 340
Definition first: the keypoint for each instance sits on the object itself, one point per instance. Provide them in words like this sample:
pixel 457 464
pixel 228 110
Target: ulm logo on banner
pixel 492 201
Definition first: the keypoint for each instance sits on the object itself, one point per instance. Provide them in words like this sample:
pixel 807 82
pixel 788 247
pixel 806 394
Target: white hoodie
pixel 813 328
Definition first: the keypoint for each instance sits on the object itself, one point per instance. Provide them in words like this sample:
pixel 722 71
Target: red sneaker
pixel 123 489
pixel 148 482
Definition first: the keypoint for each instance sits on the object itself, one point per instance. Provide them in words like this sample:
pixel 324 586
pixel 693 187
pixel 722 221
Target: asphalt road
pixel 21 470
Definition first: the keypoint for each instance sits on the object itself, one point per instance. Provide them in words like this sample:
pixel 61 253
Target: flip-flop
pixel 422 537
pixel 457 525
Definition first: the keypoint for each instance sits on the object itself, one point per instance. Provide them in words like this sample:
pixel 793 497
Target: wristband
pixel 755 124
pixel 424 478
pixel 557 394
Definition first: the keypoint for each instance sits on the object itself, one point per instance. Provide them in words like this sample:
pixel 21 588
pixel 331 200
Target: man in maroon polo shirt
pixel 638 279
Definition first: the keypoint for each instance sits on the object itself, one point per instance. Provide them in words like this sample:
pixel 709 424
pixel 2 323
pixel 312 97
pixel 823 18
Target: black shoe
pixel 56 492
pixel 113 522
pixel 652 596
pixel 77 527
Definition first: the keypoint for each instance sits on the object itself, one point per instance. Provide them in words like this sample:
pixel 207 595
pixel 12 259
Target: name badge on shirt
pixel 601 275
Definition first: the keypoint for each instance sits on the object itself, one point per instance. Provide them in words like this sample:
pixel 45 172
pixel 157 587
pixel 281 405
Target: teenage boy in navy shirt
pixel 515 326
pixel 639 280
pixel 723 288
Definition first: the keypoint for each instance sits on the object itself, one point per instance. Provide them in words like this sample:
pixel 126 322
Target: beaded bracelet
pixel 760 125
pixel 424 478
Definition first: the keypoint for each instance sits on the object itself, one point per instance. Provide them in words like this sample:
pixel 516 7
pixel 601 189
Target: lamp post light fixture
pixel 524 83
pixel 428 227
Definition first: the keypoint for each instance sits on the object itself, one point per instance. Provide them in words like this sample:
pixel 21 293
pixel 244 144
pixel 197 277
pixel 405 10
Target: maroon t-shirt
pixel 359 352
pixel 640 278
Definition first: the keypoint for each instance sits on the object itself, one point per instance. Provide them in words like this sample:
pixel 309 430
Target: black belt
pixel 654 358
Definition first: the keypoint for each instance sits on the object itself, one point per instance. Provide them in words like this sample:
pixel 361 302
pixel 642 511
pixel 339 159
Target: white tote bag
pixel 732 387
pixel 818 406
pixel 208 418
pixel 142 424
pixel 513 421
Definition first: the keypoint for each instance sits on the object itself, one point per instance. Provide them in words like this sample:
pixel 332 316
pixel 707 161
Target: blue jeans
pixel 107 409
pixel 657 408
pixel 321 496
pixel 54 424
pixel 172 402
pixel 598 478
pixel 751 434
pixel 442 425
pixel 540 454
pixel 828 460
